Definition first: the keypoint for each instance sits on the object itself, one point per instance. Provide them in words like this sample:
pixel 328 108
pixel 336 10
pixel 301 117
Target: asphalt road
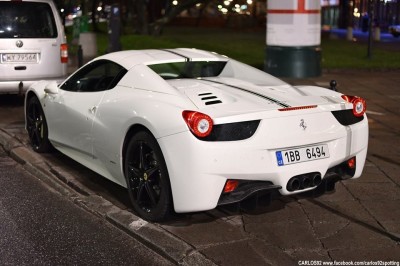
pixel 41 227
pixel 359 222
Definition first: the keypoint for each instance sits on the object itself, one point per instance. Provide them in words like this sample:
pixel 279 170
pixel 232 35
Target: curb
pixel 151 235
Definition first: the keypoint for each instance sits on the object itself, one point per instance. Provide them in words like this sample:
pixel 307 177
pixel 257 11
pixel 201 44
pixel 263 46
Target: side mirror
pixel 51 88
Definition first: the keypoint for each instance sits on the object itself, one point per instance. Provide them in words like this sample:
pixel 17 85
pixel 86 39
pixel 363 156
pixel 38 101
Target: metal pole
pixel 370 24
pixel 80 56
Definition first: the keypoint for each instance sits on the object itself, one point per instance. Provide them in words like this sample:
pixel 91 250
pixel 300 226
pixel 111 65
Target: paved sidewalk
pixel 359 222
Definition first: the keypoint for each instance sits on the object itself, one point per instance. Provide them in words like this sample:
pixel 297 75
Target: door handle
pixel 20 68
pixel 93 109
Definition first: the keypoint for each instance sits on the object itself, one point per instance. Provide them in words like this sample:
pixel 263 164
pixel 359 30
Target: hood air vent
pixel 208 98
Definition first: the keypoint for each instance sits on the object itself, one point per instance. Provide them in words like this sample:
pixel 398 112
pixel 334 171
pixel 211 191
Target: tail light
pixel 298 108
pixel 359 104
pixel 64 53
pixel 200 124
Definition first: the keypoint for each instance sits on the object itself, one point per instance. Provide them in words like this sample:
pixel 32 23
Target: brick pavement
pixel 359 222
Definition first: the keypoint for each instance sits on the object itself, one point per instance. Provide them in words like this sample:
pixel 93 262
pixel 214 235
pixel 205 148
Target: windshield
pixel 26 20
pixel 222 69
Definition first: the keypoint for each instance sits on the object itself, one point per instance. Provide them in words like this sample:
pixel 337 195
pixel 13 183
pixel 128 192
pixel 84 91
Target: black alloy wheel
pixel 147 178
pixel 37 126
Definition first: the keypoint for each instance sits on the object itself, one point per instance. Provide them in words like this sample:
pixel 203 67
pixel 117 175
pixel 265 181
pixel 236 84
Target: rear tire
pixel 37 126
pixel 147 178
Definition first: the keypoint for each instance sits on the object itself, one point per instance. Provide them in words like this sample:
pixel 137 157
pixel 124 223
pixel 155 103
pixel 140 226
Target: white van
pixel 33 45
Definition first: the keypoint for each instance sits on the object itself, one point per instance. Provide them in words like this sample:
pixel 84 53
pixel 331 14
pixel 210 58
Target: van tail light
pixel 64 53
pixel 359 104
pixel 351 163
pixel 200 124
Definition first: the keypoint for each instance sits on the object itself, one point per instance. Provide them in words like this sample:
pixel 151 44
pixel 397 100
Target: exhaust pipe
pixel 306 182
pixel 316 180
pixel 293 184
pixel 20 88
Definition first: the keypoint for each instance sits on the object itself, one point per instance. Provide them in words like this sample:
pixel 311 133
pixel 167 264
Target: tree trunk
pixel 94 21
pixel 142 16
pixel 203 7
pixel 158 25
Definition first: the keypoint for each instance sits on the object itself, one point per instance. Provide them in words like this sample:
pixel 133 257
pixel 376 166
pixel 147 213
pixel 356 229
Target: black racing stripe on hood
pixel 187 59
pixel 252 92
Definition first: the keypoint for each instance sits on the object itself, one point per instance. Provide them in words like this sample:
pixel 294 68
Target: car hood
pixel 233 95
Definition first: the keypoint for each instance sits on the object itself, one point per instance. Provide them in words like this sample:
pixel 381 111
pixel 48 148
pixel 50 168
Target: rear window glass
pixel 191 69
pixel 26 20
pixel 221 69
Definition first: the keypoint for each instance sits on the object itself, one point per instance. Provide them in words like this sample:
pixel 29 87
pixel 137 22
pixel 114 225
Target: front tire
pixel 37 126
pixel 147 178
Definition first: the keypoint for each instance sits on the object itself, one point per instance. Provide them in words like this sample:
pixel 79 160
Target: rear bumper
pixel 198 170
pixel 21 86
pixel 245 190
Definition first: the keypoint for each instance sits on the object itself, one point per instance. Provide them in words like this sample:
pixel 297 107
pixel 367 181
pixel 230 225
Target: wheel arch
pixel 155 125
pixel 162 204
pixel 30 94
pixel 38 130
pixel 133 129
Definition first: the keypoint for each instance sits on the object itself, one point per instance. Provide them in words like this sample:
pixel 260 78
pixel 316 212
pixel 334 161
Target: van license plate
pixel 16 58
pixel 303 154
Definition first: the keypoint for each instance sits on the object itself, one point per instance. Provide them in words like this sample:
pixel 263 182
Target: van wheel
pixel 37 126
pixel 147 178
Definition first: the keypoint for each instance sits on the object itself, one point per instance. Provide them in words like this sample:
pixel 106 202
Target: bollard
pixel 349 34
pixel 87 40
pixel 293 38
pixel 377 34
pixel 114 29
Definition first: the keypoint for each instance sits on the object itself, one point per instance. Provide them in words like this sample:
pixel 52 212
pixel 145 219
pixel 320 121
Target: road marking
pixel 394 96
pixel 374 113
pixel 136 225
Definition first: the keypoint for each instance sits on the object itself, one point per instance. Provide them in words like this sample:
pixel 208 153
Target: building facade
pixel 356 13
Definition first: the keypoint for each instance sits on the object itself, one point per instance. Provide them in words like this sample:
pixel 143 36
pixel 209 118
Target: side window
pixel 100 75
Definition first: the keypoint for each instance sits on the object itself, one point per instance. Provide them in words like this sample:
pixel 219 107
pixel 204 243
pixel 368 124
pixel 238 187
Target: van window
pixel 20 19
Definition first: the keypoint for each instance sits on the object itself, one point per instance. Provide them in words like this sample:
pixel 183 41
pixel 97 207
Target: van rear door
pixel 31 36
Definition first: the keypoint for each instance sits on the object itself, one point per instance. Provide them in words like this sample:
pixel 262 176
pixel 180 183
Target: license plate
pixel 303 154
pixel 17 58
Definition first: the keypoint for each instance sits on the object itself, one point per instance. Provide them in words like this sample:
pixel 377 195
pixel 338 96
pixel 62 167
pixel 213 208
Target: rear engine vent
pixel 213 102
pixel 208 98
pixel 346 117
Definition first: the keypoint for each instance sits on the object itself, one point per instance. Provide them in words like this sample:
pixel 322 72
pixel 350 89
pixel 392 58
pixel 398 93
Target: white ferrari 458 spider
pixel 188 130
